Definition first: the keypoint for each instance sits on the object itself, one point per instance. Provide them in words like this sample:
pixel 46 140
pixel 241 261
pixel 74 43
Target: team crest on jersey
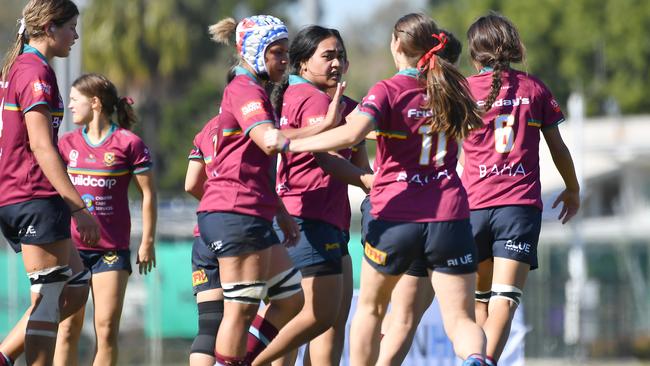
pixel 109 158
pixel 110 258
pixel 375 254
pixel 199 277
pixel 41 87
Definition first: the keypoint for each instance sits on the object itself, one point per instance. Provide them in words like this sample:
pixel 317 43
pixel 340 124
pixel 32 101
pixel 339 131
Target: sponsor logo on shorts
pixel 375 254
pixel 460 261
pixel 199 277
pixel 252 108
pixel 216 245
pixel 29 231
pixel 332 246
pixel 518 247
pixel 109 158
pixel 110 258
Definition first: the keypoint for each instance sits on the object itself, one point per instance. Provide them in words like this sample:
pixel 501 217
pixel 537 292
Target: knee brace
pixel 284 284
pixel 510 293
pixel 48 283
pixel 210 315
pixel 80 279
pixel 483 296
pixel 244 292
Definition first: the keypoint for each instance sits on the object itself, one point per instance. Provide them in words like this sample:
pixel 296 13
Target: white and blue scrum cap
pixel 254 34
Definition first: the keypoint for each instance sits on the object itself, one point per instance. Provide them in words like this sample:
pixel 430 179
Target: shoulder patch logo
pixel 41 87
pixel 252 108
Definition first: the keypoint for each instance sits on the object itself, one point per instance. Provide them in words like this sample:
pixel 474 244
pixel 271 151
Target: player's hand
pixel 146 260
pixel 367 180
pixel 336 106
pixel 570 205
pixel 87 226
pixel 274 140
pixel 289 228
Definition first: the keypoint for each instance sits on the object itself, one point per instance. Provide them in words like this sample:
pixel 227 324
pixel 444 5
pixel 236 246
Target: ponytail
pixel 495 88
pixel 97 85
pixel 453 109
pixel 495 42
pixel 11 56
pixel 125 114
pixel 223 31
pixel 277 96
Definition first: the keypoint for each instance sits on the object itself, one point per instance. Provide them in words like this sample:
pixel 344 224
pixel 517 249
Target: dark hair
pixel 494 42
pixel 452 50
pixel 453 110
pixel 37 14
pixel 301 49
pixel 96 85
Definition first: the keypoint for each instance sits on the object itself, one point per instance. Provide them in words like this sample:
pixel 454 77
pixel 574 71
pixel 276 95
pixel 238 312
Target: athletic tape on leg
pixel 80 279
pixel 507 292
pixel 210 316
pixel 244 292
pixel 284 284
pixel 482 296
pixel 48 283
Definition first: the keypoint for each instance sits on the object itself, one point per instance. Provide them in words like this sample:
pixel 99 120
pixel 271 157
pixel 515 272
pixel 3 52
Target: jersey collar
pixel 110 132
pixel 411 72
pixel 486 69
pixel 295 79
pixel 242 71
pixel 29 49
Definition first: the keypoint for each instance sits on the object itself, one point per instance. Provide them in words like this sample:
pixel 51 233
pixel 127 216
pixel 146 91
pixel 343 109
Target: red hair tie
pixel 429 57
pixel 128 100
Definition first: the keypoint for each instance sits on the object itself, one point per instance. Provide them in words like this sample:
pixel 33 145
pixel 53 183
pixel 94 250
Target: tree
pixel 598 47
pixel 159 52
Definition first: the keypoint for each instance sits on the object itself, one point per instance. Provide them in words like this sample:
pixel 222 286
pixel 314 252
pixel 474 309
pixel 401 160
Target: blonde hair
pixel 36 15
pixel 223 31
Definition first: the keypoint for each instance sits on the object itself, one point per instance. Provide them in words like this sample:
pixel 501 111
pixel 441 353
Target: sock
pixel 489 361
pixel 475 359
pixel 230 361
pixel 260 334
pixel 5 360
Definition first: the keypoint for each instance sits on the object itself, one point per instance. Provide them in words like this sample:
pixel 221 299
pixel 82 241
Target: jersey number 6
pixel 504 134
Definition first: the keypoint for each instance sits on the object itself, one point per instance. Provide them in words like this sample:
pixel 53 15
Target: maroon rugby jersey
pixel 502 157
pixel 415 178
pixel 242 175
pixel 101 174
pixel 307 190
pixel 31 82
pixel 203 149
